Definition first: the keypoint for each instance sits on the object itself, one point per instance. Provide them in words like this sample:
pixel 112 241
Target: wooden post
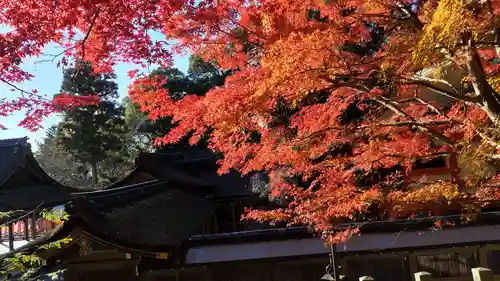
pixel 482 274
pixel 453 168
pixel 145 276
pixel 26 229
pixel 11 237
pixel 423 276
pixel 33 224
pixel 233 216
pixel 216 224
pixel 366 278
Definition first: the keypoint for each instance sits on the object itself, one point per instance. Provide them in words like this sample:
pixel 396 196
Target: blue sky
pixel 48 80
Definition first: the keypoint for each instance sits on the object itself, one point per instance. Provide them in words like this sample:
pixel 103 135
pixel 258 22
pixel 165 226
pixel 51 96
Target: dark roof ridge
pixel 121 196
pixel 22 140
pixel 15 159
pixel 120 188
pixel 42 173
pixel 116 183
pixel 186 156
pixel 145 223
pixel 26 154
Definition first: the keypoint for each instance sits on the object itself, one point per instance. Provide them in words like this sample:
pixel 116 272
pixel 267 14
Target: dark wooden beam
pixel 26 229
pixel 102 265
pixel 11 237
pixel 216 223
pixel 145 276
pixel 233 215
pixel 33 224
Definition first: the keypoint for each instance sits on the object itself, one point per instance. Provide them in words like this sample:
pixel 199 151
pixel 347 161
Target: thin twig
pixel 430 106
pixel 87 35
pixel 23 216
pixel 390 105
pixel 431 84
pixel 22 91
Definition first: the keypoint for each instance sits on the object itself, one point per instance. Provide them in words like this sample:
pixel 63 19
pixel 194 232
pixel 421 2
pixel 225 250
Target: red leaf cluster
pixel 336 91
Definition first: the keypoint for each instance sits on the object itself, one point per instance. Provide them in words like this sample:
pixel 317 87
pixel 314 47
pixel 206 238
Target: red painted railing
pixel 19 228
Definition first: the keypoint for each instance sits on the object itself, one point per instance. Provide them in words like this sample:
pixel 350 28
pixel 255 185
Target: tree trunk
pixel 491 100
pixel 93 166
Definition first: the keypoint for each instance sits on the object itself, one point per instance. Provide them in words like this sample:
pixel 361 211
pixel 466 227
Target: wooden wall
pixel 449 264
pixel 304 269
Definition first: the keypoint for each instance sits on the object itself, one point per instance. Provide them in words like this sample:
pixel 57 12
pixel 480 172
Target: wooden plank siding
pixel 445 264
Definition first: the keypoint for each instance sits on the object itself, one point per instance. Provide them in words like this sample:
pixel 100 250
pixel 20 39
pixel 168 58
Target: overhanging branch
pixel 388 124
pixel 430 106
pixel 433 85
pixel 87 35
pixel 392 106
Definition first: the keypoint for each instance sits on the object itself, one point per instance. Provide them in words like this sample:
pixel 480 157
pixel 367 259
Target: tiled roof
pixel 155 214
pixel 168 166
pixel 37 188
pixel 12 153
pixel 227 186
pixel 192 167
pixel 27 197
pixel 189 167
pixel 146 216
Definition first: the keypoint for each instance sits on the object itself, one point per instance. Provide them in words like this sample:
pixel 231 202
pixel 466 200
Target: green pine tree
pixel 200 78
pixel 93 134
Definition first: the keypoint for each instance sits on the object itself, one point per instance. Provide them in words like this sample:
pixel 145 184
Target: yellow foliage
pixel 429 193
pixel 495 83
pixel 437 72
pixel 450 19
pixel 470 158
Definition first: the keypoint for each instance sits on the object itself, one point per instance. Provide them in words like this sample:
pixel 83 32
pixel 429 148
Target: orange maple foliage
pixel 323 92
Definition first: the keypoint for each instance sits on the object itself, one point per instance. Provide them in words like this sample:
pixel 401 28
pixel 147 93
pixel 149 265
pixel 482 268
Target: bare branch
pixel 493 156
pixel 24 215
pixel 414 123
pixel 438 81
pixel 82 43
pixel 488 140
pixel 94 19
pixel 392 106
pixel 432 84
pixel 22 91
pixel 490 100
pixel 430 106
pixel 411 15
pixel 390 124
